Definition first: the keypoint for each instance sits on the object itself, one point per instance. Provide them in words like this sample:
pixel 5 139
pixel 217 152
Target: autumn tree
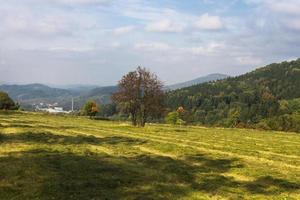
pixel 180 111
pixel 90 109
pixel 140 95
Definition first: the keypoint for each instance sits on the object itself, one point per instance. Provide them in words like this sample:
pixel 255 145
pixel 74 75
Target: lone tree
pixel 140 95
pixel 90 109
pixel 6 103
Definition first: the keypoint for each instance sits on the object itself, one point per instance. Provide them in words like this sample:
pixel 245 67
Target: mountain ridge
pixel 34 93
pixel 196 81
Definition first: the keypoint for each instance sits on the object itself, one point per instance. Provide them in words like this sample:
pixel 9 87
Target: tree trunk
pixel 143 122
pixel 143 117
pixel 133 119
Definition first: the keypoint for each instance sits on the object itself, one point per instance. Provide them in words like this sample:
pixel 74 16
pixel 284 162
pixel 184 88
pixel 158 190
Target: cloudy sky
pixel 97 41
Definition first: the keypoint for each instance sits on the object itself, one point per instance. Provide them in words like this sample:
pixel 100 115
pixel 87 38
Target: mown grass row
pixel 56 157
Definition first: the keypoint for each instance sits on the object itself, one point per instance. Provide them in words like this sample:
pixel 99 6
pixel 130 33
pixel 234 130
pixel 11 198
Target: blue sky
pixel 97 41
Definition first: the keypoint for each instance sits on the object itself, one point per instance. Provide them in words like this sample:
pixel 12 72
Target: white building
pixel 54 110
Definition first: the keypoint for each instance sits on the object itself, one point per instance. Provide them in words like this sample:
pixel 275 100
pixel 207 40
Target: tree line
pixel 267 98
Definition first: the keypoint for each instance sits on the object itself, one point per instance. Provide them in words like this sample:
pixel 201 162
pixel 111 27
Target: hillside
pixel 33 91
pixel 100 94
pixel 102 91
pixel 204 79
pixel 58 157
pixel 258 97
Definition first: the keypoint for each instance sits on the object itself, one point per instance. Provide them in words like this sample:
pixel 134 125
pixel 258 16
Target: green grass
pixel 55 157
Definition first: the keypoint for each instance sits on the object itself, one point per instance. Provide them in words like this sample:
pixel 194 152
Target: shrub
pixel 90 109
pixel 172 118
pixel 180 122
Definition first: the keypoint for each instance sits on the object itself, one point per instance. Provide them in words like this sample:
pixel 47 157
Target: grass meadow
pixel 58 157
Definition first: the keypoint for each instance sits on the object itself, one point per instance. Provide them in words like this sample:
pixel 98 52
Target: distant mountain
pixel 76 87
pixel 204 79
pixel 33 91
pixel 102 91
pixel 31 94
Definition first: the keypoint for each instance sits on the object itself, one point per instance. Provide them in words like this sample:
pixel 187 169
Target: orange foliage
pixel 180 109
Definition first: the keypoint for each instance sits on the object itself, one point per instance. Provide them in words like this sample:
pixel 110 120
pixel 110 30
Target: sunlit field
pixel 56 157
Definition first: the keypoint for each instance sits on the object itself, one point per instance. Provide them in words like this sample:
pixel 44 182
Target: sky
pixel 64 42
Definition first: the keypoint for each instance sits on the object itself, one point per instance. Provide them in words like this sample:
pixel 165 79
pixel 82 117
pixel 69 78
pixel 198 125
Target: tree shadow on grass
pixel 42 174
pixel 54 175
pixel 33 124
pixel 50 138
pixel 269 185
pixel 214 165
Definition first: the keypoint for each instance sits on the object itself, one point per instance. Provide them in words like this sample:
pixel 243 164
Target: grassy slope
pixel 52 157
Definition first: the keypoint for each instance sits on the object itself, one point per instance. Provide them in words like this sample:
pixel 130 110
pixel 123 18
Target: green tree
pixel 108 110
pixel 172 117
pixel 6 103
pixel 90 109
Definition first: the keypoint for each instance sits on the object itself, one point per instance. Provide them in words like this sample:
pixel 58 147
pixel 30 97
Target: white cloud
pixel 154 46
pixel 178 52
pixel 70 2
pixel 115 44
pixel 283 14
pixel 211 48
pixel 71 49
pixel 293 24
pixel 286 7
pixel 165 25
pixel 209 22
pixel 81 1
pixel 208 1
pixel 123 30
pixel 289 7
pixel 249 60
pixel 26 23
pixel 143 12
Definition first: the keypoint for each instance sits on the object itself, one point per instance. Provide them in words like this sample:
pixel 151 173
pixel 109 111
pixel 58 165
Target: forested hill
pixel 255 98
